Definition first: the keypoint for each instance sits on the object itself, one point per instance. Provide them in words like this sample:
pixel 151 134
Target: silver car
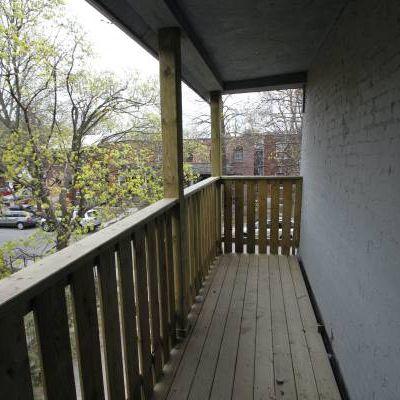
pixel 17 219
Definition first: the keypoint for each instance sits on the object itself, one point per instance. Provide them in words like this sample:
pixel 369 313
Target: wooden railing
pixel 102 315
pixel 105 307
pixel 203 233
pixel 263 211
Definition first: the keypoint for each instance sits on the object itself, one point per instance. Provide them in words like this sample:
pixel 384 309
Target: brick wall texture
pixel 350 238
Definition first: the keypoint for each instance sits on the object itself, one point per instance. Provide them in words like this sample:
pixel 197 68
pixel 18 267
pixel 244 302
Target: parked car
pixel 23 207
pixel 5 191
pixel 90 220
pixel 17 219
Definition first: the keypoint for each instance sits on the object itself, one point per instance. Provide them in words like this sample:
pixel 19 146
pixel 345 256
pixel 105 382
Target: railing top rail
pixel 260 177
pixel 21 287
pixel 200 185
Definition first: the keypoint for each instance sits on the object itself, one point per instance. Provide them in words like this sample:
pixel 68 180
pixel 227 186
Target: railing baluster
pixel 127 288
pixel 169 257
pixel 287 216
pixel 251 204
pixel 143 310
pixel 297 213
pixel 239 216
pixel 111 324
pixel 227 217
pixel 262 216
pixel 87 332
pixel 153 295
pixel 15 378
pixel 274 231
pixel 55 348
pixel 163 294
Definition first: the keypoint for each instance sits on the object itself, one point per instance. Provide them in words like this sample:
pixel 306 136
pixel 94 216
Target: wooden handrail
pixel 25 284
pixel 191 190
pixel 261 177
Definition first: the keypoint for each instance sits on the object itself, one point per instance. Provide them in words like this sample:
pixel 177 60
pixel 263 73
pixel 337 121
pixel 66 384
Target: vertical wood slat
pixel 274 235
pixel 287 216
pixel 239 216
pixel 143 311
pixel 297 213
pixel 111 326
pixel 50 310
pixel 262 216
pixel 228 217
pixel 204 226
pixel 87 332
pixel 169 259
pixel 210 225
pixel 15 378
pixel 125 259
pixel 251 204
pixel 219 219
pixel 196 240
pixel 152 278
pixel 193 283
pixel 163 291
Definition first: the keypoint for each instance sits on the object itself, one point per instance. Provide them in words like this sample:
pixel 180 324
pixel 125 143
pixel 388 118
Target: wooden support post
pixel 216 158
pixel 171 124
pixel 216 120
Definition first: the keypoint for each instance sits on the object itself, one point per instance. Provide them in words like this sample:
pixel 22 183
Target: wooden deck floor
pixel 255 336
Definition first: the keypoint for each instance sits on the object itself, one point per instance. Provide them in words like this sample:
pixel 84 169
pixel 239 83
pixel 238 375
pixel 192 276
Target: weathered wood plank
pixel 274 235
pixel 285 387
pixel 15 378
pixel 287 216
pixel 111 324
pixel 162 388
pixel 239 216
pixel 245 364
pixel 218 211
pixel 163 288
pixel 169 259
pixel 203 379
pixel 297 213
pixel 187 368
pixel 87 332
pixel 264 385
pixel 251 216
pixel 325 380
pixel 152 278
pixel 143 311
pixel 225 371
pixel 125 263
pixel 228 217
pixel 303 371
pixel 216 120
pixel 262 216
pixel 55 348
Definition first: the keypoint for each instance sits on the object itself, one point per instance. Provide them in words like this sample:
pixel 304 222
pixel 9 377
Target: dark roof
pixel 233 45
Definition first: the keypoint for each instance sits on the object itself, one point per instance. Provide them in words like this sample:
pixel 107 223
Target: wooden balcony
pixel 110 311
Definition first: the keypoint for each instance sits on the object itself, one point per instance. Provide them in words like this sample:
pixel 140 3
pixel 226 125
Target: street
pixel 7 234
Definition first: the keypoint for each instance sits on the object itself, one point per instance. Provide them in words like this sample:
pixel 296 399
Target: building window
pixel 238 153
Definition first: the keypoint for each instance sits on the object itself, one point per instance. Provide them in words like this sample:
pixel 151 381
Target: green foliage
pixel 4 270
pixel 52 110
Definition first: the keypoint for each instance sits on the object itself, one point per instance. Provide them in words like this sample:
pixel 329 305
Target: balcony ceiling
pixel 233 45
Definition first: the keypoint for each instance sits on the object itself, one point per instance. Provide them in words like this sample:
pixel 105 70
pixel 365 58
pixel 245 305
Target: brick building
pixel 267 154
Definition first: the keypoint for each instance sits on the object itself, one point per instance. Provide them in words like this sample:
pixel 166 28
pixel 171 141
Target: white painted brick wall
pixel 350 239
